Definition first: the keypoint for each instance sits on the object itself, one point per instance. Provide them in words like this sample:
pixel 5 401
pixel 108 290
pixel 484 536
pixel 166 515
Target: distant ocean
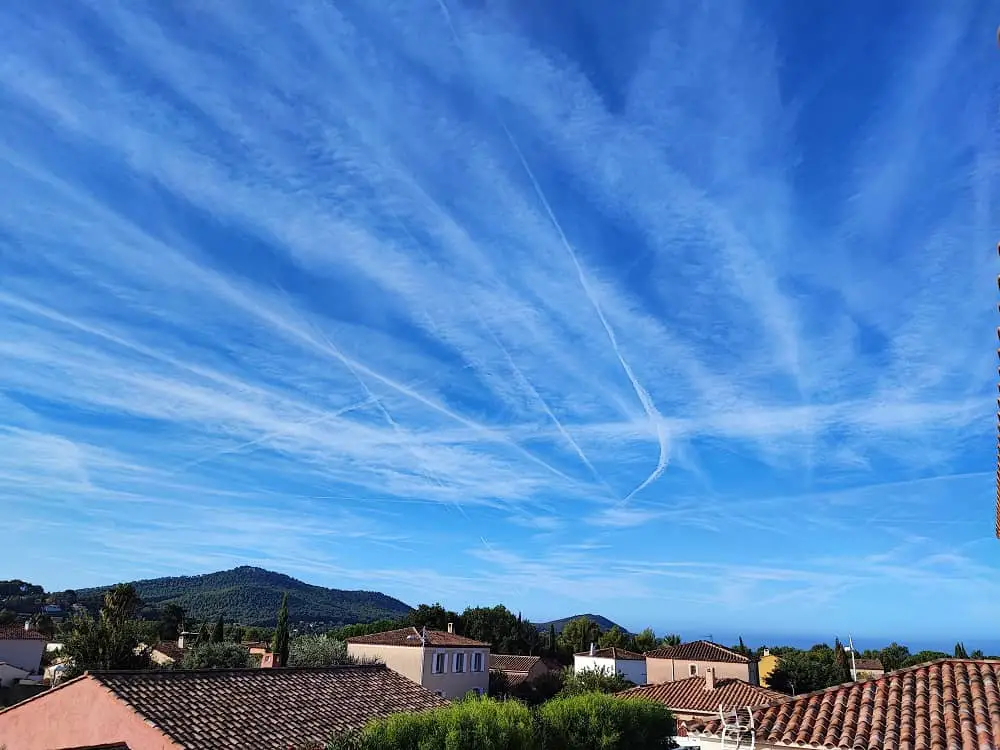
pixel 989 646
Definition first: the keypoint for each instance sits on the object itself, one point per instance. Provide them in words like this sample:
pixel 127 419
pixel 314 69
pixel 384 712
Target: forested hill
pixel 603 622
pixel 251 596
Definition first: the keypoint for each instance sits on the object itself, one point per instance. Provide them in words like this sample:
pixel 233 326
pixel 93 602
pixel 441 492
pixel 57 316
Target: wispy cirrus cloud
pixel 459 286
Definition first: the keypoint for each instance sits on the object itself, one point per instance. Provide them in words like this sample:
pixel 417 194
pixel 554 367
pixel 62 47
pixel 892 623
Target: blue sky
pixel 680 314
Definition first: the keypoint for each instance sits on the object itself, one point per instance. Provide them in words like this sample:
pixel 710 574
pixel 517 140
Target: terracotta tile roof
pixel 18 633
pixel 689 695
pixel 700 651
pixel 513 662
pixel 170 649
pixel 951 703
pixel 264 709
pixel 618 654
pixel 868 665
pixel 411 637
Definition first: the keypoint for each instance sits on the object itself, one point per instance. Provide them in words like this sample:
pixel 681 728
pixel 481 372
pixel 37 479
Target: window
pixel 477 662
pixel 440 660
pixel 694 669
pixel 459 662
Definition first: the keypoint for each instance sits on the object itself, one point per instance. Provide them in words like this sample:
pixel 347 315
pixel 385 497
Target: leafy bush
pixel 320 651
pixel 482 724
pixel 217 656
pixel 592 681
pixel 585 722
pixel 603 722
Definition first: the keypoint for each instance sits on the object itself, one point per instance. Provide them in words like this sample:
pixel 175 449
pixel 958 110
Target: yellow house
pixel 767 663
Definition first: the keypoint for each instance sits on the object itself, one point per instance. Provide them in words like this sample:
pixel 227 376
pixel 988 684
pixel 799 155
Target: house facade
pixel 221 709
pixel 447 664
pixel 22 647
pixel 518 669
pixel 867 669
pixel 766 665
pixel 702 697
pixel 628 664
pixel 951 703
pixel 673 663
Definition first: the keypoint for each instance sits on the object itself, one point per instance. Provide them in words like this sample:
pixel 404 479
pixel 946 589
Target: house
pixel 10 675
pixel 444 662
pixel 22 647
pixel 951 703
pixel 673 663
pixel 166 653
pixel 703 696
pixel 866 669
pixel 766 665
pixel 628 664
pixel 219 709
pixel 518 669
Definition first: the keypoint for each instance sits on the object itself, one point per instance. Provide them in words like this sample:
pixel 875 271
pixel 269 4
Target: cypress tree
pixel 279 644
pixel 219 634
pixel 552 640
pixel 960 652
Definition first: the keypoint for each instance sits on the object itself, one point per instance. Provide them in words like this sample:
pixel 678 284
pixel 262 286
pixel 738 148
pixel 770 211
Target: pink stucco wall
pixel 77 714
pixel 671 670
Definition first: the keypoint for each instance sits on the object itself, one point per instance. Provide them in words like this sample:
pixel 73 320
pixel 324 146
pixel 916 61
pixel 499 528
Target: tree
pixel 841 662
pixel 121 603
pixel 741 648
pixel 578 634
pixel 614 638
pixel 219 633
pixel 204 635
pixel 432 617
pixel 977 654
pixel 577 682
pixel 553 643
pixel 211 655
pixel 671 639
pixel 644 641
pixel 960 652
pixel 171 622
pixel 7 616
pixel 318 651
pixel 922 657
pixel 497 626
pixel 44 625
pixel 893 656
pixel 805 671
pixel 279 644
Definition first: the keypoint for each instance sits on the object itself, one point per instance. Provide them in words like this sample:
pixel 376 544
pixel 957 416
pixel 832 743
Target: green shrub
pixel 481 724
pixel 578 682
pixel 217 656
pixel 585 722
pixel 604 722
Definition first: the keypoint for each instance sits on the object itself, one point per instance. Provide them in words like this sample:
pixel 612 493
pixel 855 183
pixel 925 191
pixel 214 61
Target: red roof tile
pixel 18 633
pixel 411 637
pixel 618 654
pixel 170 650
pixel 689 695
pixel 513 662
pixel 263 709
pixel 868 665
pixel 951 703
pixel 700 651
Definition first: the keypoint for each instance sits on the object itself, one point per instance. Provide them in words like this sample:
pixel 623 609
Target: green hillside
pixel 251 596
pixel 603 622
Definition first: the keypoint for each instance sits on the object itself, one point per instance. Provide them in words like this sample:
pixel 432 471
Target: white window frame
pixel 459 655
pixel 477 661
pixel 444 662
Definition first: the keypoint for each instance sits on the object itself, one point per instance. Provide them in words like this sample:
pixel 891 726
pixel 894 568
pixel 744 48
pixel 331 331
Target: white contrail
pixel 647 403
pixel 545 407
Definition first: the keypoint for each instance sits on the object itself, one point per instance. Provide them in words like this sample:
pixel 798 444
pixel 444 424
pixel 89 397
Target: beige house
pixel 445 663
pixel 867 669
pixel 692 659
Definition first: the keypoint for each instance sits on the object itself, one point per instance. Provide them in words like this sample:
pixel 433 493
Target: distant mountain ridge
pixel 251 596
pixel 603 622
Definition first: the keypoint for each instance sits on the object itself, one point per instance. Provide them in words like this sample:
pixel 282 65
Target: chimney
pixel 451 627
pixel 709 679
pixel 27 624
pixel 767 652
pixel 180 641
pixel 593 649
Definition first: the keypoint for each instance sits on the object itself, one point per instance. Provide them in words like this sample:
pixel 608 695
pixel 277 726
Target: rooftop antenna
pixel 854 666
pixel 737 735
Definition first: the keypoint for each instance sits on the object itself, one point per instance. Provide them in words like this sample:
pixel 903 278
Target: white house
pixel 22 647
pixel 628 664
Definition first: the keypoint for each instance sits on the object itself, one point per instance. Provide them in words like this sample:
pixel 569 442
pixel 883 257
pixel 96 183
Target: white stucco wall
pixel 631 669
pixel 24 654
